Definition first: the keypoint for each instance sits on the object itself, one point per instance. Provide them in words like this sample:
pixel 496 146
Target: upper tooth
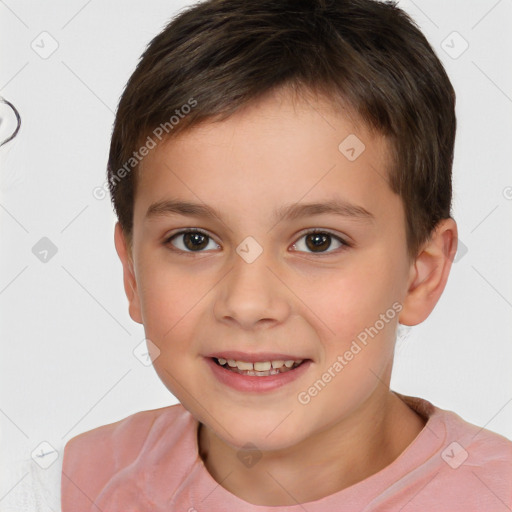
pixel 242 365
pixel 263 366
pixel 260 366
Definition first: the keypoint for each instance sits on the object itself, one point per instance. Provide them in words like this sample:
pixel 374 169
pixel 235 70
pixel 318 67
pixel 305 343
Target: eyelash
pixel 345 245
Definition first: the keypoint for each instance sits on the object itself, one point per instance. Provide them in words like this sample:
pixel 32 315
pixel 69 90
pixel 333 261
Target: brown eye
pixel 319 242
pixel 190 241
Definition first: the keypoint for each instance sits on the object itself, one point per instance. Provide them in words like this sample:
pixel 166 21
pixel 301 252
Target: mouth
pixel 257 373
pixel 259 368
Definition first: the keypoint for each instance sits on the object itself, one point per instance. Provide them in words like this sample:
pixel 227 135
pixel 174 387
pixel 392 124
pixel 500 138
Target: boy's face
pixel 300 298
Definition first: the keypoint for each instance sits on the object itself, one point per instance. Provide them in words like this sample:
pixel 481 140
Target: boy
pixel 303 149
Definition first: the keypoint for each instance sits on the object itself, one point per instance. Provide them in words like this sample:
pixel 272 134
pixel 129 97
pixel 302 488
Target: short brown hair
pixel 218 55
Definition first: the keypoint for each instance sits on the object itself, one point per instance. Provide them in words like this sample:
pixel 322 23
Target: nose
pixel 252 296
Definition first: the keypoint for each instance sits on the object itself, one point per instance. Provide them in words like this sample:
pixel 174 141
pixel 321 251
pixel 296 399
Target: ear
pixel 429 273
pixel 130 283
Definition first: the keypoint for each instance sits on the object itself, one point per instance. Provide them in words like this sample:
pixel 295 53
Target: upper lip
pixel 255 357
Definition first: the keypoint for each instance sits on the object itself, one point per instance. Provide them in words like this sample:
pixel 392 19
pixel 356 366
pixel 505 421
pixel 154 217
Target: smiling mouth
pixel 258 369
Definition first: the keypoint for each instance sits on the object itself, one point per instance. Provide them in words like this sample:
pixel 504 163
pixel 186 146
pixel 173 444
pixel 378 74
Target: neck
pixel 322 464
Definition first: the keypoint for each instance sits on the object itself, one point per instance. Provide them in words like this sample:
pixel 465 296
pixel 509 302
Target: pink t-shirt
pixel 149 462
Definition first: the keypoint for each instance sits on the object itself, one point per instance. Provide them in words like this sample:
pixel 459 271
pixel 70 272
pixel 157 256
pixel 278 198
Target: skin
pixel 291 299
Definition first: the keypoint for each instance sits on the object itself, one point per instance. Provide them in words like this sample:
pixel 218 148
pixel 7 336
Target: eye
pixel 195 240
pixel 318 241
pixel 190 240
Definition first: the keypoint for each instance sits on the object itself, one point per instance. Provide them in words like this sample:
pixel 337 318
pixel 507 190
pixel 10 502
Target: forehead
pixel 279 150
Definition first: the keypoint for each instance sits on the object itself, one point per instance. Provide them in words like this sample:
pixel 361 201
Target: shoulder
pixel 476 460
pixel 483 447
pixel 472 443
pixel 463 466
pixel 107 439
pixel 134 427
pixel 92 458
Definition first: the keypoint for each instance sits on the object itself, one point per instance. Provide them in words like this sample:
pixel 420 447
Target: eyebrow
pixel 286 212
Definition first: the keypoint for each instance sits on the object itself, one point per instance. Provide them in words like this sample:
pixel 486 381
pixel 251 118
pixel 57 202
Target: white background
pixel 67 362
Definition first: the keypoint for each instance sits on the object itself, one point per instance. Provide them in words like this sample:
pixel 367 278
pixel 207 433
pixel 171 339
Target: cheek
pixel 168 294
pixel 170 323
pixel 356 358
pixel 168 314
pixel 346 301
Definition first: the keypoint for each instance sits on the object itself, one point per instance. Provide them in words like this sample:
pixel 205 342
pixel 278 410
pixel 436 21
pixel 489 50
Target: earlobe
pixel 429 273
pixel 129 280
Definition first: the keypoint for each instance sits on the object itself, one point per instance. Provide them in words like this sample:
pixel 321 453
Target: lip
pixel 250 383
pixel 255 358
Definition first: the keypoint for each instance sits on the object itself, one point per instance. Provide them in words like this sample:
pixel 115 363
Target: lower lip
pixel 256 384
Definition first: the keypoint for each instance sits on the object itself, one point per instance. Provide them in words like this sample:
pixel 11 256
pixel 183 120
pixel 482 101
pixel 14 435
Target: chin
pixel 267 435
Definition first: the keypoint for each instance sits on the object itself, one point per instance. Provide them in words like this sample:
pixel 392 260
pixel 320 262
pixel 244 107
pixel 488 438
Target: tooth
pixel 277 364
pixel 289 364
pixel 298 361
pixel 242 365
pixel 262 366
pixel 222 361
pixel 232 363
